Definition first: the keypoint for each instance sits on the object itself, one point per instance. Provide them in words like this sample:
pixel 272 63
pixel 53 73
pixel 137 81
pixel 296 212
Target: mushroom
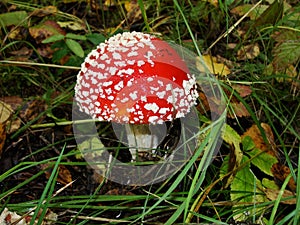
pixel 135 79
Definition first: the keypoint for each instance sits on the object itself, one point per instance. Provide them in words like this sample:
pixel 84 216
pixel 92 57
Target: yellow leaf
pixel 109 3
pixel 213 2
pixel 231 137
pixel 212 65
pixel 5 112
pixel 72 25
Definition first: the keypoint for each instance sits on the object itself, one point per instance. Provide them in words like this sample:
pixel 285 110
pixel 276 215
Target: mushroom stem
pixel 140 139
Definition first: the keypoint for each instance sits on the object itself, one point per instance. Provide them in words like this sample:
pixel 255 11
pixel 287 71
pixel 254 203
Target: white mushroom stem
pixel 140 139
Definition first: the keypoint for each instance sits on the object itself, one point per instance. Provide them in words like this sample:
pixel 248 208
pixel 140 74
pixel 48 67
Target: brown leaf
pixel 273 195
pixel 14 102
pixel 237 108
pixel 242 90
pixel 64 175
pixel 2 137
pixel 24 51
pixel 45 30
pixel 210 103
pixel 248 52
pixel 203 105
pixel 32 109
pixel 258 140
pixel 281 172
pixel 45 51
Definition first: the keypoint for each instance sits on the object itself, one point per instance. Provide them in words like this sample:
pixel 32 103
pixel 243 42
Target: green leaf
pixel 75 47
pixel 76 36
pixel 13 18
pixel 286 53
pixel 231 137
pixel 53 38
pixel 59 54
pixel 246 189
pixel 269 184
pixel 262 160
pixel 96 38
pixel 91 149
pixel 248 143
pixel 271 15
pixel 241 10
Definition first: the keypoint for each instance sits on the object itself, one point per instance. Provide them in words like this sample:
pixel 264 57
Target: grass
pixel 197 192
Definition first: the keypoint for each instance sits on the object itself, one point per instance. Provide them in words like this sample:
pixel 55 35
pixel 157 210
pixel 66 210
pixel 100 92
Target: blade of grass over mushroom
pixel 179 178
pixel 209 152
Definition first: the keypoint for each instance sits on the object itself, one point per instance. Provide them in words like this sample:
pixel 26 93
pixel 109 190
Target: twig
pixel 233 26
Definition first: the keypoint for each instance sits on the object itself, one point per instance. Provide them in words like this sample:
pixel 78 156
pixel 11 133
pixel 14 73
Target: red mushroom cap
pixel 135 78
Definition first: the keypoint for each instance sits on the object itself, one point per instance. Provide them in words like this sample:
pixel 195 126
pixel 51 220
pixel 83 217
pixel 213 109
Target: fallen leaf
pixel 267 183
pixel 262 160
pixel 284 35
pixel 210 64
pixel 214 104
pixel 44 30
pixel 273 195
pixel 285 54
pixel 231 137
pixel 72 25
pixel 258 139
pixel 14 102
pixel 245 189
pixel 244 8
pixel 16 18
pixel 236 107
pixel 242 90
pixel 280 173
pixel 5 112
pixel 203 105
pixel 248 52
pixel 271 15
pixel 17 33
pixel 64 175
pixel 45 11
pixel 23 52
pixel 8 217
pixel 2 136
pixel 32 109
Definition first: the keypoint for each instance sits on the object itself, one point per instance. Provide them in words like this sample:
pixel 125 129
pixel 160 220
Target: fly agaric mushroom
pixel 137 79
